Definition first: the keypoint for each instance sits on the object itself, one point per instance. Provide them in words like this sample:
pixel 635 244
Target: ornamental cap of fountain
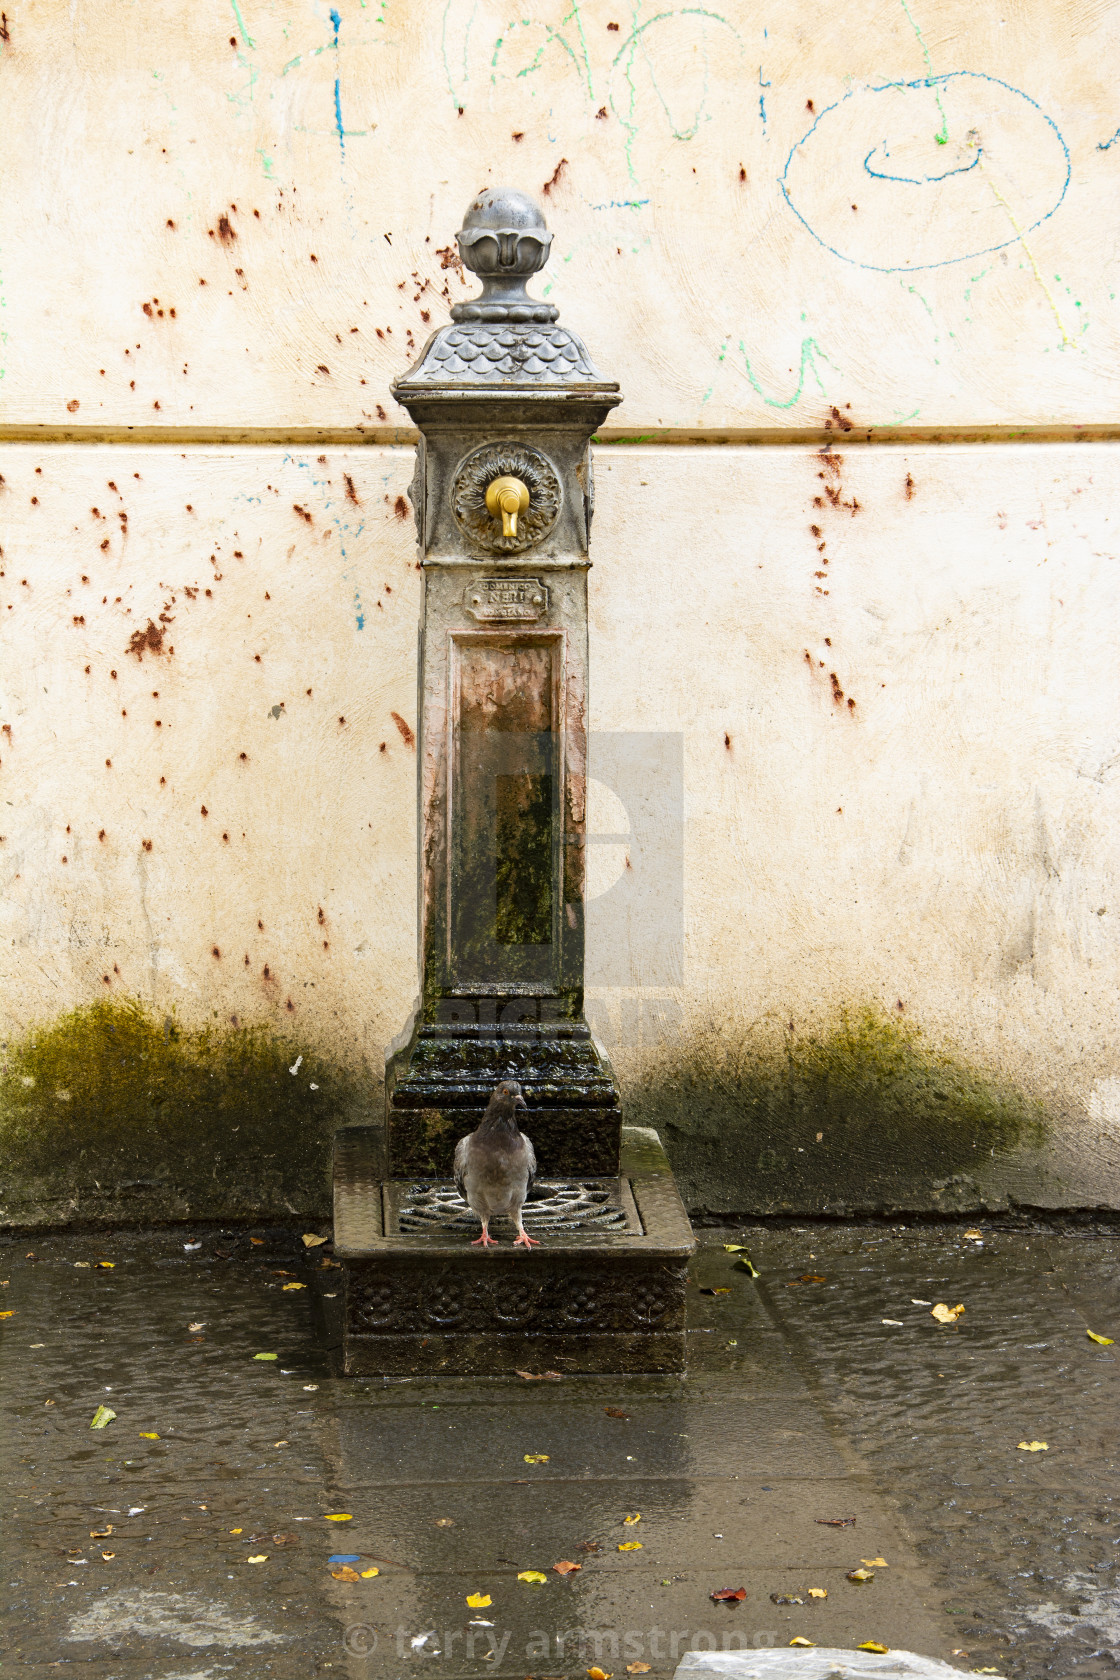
pixel 503 239
pixel 503 338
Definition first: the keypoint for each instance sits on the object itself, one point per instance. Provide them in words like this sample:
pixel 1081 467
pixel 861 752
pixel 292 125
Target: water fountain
pixel 506 401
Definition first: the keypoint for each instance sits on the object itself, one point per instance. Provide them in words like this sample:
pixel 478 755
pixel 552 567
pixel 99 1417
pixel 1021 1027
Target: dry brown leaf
pixel 566 1568
pixel 728 1595
pixel 836 1522
pixel 617 1412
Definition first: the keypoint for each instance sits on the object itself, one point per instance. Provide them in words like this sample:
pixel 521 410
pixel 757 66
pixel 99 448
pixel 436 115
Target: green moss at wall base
pixel 899 1119
pixel 115 1107
pixel 114 1112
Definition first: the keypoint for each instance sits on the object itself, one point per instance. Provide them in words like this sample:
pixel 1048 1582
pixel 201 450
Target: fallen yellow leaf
pixel 237 1531
pixel 861 1575
pixel 312 1241
pixel 339 1516
pixel 1101 1341
pixel 873 1645
pixel 10 1314
pixel 598 1674
pixel 479 1601
pixel 1032 1446
pixel 637 1668
pixel 261 1557
pixel 974 1233
pixel 367 1573
pixel 875 1563
pixel 800 1640
pixel 532 1575
pixel 536 1458
pixel 734 1248
pixel 818 1592
pixel 108 1264
pixel 102 1417
pixel 288 1286
pixel 630 1546
pixel 946 1315
pixel 343 1574
pixel 148 1435
pixel 637 1517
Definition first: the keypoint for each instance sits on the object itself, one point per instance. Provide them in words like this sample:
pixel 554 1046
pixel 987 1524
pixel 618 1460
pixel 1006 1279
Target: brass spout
pixel 508 497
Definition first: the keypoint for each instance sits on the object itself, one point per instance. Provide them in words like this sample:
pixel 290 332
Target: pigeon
pixel 495 1164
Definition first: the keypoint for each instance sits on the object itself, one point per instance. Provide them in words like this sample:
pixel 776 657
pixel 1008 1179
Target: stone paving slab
pixel 487 1443
pixel 716 1525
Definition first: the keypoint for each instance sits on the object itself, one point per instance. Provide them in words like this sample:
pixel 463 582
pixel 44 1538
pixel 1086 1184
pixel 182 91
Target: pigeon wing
pixel 462 1150
pixel 530 1160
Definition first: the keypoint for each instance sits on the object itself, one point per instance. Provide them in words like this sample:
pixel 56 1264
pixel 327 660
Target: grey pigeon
pixel 495 1164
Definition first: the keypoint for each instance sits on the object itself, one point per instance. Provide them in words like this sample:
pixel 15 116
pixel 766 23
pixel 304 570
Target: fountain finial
pixel 503 239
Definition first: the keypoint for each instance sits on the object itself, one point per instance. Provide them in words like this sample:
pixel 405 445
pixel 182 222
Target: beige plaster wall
pixel 759 215
pixel 897 730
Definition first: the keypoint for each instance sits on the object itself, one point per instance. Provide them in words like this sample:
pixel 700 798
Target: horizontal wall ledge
pixel 350 437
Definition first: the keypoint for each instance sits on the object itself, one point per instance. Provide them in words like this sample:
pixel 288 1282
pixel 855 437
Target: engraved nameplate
pixel 507 600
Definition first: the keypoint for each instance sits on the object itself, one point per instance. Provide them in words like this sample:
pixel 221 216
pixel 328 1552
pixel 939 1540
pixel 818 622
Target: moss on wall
pixel 114 1111
pixel 902 1123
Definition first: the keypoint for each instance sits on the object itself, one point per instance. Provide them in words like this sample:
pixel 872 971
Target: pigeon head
pixel 506 1102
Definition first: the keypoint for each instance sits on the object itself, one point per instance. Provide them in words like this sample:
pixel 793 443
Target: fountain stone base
pixel 604 1292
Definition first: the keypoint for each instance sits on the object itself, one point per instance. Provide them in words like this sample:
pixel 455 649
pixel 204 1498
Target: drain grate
pixel 555 1206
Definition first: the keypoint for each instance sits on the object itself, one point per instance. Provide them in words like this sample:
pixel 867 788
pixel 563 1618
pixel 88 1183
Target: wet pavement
pixel 192 1538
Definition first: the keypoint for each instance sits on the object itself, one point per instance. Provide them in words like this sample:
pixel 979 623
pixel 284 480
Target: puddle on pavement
pixel 824 1383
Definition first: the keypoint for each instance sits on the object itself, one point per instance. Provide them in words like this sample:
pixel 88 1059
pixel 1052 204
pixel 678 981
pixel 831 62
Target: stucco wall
pixel 853 689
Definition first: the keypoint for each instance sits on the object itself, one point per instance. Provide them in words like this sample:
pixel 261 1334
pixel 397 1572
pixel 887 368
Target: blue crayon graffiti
pixel 919 180
pixel 966 81
pixel 336 20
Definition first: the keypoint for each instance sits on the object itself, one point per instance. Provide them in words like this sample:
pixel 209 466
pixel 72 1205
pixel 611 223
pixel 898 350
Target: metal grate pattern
pixel 553 1207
